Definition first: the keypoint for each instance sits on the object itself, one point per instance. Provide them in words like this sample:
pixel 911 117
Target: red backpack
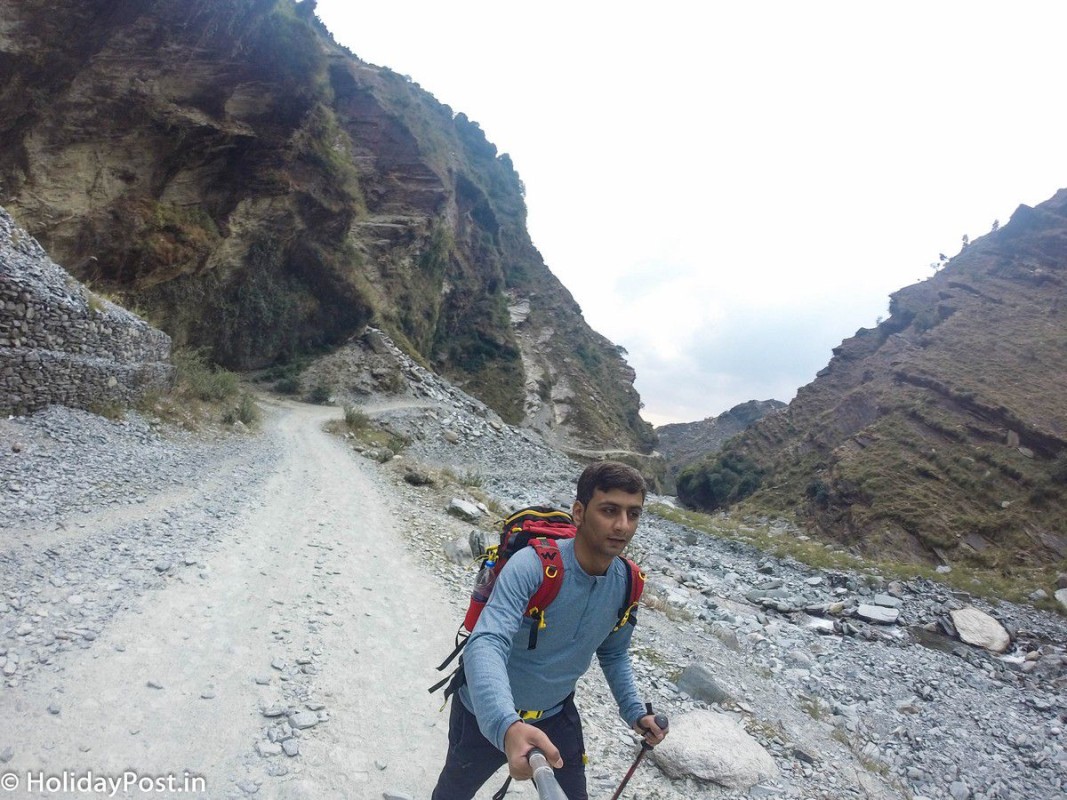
pixel 541 528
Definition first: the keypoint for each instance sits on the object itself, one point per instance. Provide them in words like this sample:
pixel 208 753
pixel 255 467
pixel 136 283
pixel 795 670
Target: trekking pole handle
pixel 661 722
pixel 543 777
pixel 661 719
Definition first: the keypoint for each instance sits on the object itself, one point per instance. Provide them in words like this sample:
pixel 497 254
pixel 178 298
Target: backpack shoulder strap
pixel 635 586
pixel 551 582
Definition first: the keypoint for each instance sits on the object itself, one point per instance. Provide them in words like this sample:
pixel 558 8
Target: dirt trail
pixel 315 571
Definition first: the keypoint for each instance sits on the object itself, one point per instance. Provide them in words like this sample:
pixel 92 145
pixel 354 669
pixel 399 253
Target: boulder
pixel 712 747
pixel 726 635
pixel 698 682
pixel 1061 598
pixel 458 550
pixel 977 628
pixel 374 340
pixel 878 614
pixel 896 589
pixel 478 542
pixel 418 478
pixel 464 510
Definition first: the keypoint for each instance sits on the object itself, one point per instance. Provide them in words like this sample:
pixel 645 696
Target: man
pixel 503 676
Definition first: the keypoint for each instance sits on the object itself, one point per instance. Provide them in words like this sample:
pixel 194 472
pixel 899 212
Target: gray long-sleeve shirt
pixel 504 675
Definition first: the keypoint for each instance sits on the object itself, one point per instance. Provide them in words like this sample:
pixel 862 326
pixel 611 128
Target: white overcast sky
pixel 730 189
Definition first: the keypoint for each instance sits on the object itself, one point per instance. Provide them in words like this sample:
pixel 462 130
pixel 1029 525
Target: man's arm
pixel 485 657
pixel 614 657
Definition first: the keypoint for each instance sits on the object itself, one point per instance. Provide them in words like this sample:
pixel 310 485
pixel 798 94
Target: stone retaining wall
pixel 61 344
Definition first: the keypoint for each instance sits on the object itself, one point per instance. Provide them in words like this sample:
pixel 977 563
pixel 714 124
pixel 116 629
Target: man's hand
pixel 519 740
pixel 647 727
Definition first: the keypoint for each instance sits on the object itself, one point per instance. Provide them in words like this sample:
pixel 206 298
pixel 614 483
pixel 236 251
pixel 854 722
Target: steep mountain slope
pixel 682 443
pixel 941 434
pixel 228 169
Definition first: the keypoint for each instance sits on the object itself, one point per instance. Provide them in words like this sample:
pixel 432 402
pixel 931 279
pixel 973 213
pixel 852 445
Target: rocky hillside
pixel 227 169
pixel 941 434
pixel 683 443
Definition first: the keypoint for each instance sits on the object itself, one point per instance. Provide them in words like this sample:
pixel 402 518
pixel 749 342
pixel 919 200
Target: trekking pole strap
pixel 503 790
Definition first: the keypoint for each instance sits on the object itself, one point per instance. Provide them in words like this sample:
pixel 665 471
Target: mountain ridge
pixel 682 443
pixel 255 189
pixel 941 434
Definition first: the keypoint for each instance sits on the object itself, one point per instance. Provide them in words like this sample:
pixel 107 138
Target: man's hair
pixel 608 475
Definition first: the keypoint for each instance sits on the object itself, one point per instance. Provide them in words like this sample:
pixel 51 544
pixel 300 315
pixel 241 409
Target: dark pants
pixel 472 759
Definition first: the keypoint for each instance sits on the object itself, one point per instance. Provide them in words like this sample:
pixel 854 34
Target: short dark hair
pixel 608 475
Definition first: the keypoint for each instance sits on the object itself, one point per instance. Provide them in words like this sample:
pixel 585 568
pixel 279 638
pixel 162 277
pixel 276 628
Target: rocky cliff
pixel 941 434
pixel 257 189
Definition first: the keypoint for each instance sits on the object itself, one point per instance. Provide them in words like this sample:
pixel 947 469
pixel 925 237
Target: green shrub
pixel 716 483
pixel 288 386
pixel 319 394
pixel 96 304
pixel 471 478
pixel 1043 494
pixel 109 409
pixel 818 492
pixel 246 411
pixel 356 419
pixel 201 379
pixel 1059 470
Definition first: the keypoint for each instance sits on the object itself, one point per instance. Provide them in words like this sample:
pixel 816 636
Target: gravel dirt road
pixel 312 604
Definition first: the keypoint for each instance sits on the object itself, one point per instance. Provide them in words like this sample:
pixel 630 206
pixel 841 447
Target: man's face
pixel 609 521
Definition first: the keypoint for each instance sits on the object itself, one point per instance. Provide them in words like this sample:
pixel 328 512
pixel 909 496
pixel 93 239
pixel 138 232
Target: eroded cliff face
pixel 226 167
pixel 941 434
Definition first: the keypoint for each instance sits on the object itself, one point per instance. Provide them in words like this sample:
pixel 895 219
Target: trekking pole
pixel 661 721
pixel 543 777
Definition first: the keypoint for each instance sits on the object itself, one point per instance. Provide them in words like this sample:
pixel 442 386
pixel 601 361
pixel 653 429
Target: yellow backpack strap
pixel 635 586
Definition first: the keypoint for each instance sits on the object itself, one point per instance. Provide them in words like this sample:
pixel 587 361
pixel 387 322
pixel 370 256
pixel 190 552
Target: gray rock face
pixel 1061 597
pixel 712 747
